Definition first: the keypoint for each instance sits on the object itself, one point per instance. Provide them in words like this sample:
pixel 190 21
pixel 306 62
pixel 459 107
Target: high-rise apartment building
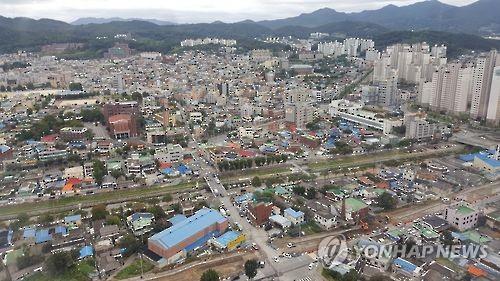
pixel 481 84
pixel 493 113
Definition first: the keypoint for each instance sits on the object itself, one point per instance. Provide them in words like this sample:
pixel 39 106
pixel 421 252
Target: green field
pixel 259 172
pixel 80 272
pixel 370 159
pixel 134 269
pixel 84 201
pixel 311 228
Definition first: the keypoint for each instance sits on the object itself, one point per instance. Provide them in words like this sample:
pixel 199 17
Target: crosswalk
pixel 307 278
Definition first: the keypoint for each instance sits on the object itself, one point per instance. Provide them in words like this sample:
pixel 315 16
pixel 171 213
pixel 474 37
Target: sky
pixel 188 11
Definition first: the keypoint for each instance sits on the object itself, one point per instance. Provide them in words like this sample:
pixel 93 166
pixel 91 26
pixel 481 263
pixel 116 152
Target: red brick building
pixel 122 126
pixel 259 214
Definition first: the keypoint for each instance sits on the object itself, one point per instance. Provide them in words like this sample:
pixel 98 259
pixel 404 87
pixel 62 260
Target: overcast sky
pixel 188 11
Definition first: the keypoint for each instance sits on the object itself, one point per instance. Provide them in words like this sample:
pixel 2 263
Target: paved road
pixel 256 235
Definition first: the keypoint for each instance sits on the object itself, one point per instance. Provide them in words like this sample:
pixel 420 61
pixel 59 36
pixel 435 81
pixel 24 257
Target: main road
pixel 273 270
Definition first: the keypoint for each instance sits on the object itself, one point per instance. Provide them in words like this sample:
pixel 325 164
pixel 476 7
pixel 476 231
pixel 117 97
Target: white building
pixel 481 84
pixel 461 216
pixel 493 113
pixel 354 112
pixel 171 154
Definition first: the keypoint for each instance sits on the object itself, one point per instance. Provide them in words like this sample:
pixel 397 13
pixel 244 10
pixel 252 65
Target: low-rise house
pixel 436 223
pixel 140 223
pixel 323 215
pixel 406 268
pixel 109 231
pixel 229 240
pixel 280 221
pixel 73 221
pixel 138 164
pixel 108 182
pixel 381 260
pixel 74 238
pixel 295 217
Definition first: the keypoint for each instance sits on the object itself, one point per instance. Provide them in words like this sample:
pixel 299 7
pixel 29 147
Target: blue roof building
pixel 73 218
pixel 42 236
pixel 406 267
pixel 229 240
pixel 29 233
pixel 60 229
pixel 177 219
pixel 183 169
pixel 4 148
pixel 296 217
pixel 174 242
pixel 246 197
pixel 86 251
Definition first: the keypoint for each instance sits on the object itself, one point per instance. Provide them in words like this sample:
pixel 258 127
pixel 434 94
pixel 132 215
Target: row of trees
pixel 251 267
pixel 310 193
pixel 249 163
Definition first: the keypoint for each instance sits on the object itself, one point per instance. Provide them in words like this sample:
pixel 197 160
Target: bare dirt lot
pixel 226 268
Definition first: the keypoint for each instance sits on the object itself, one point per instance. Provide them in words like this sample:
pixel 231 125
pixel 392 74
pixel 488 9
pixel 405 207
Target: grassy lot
pixel 134 269
pixel 394 155
pixel 91 200
pixel 311 228
pixel 259 172
pixel 77 273
pixel 449 264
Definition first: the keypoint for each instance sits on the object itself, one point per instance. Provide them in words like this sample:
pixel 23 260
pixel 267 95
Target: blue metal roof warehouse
pixel 184 229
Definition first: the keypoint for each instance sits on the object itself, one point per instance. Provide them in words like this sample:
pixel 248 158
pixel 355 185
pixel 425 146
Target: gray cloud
pixel 188 10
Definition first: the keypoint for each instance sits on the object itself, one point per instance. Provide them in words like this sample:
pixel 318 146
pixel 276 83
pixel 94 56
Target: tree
pixel 210 275
pixel 256 182
pixel 251 267
pixel 116 173
pixel 448 238
pixel 92 115
pixel 403 143
pixel 27 259
pixel 99 171
pixel 113 220
pixel 58 263
pixel 99 212
pixel 299 190
pixel 22 220
pixel 167 198
pixel 311 193
pixel 131 245
pixel 45 219
pixel 387 201
pixel 157 212
pixel 352 275
pixel 75 86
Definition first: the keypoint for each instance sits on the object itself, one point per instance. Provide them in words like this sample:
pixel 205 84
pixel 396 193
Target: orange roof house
pixel 475 271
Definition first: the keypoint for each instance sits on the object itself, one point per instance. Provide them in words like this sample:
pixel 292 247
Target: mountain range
pixel 479 17
pixel 90 20
pixel 430 21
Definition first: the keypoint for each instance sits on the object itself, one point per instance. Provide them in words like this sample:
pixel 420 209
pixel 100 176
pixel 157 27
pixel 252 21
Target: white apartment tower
pixel 493 114
pixel 481 84
pixel 464 89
